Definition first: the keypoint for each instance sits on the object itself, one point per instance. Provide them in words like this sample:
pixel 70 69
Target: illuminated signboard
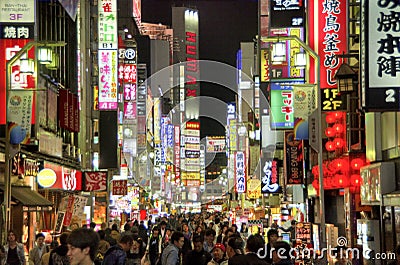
pixel 240 172
pixel 294 159
pixel 282 106
pixel 269 176
pixel 108 55
pixel 287 13
pixel 108 92
pixel 21 11
pixel 380 52
pixel 328 37
pixel 108 26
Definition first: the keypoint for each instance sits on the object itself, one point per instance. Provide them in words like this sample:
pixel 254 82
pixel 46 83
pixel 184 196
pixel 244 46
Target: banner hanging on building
pixel 294 159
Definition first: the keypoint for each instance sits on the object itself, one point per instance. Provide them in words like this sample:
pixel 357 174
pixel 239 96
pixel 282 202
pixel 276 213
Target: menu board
pixel 303 232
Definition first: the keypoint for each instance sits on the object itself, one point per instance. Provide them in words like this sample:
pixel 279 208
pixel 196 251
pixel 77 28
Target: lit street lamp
pixel 12 149
pixel 316 58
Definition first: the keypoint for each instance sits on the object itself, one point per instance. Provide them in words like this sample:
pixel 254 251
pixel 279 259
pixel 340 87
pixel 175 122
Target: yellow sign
pixel 264 66
pixel 253 188
pixel 46 178
pixel 191 175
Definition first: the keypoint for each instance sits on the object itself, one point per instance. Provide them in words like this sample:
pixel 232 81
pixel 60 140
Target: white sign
pixel 17 11
pixel 240 170
pixel 108 79
pixel 383 44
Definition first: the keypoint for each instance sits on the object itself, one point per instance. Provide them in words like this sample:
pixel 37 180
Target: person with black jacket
pixel 58 256
pixel 154 246
pixel 197 256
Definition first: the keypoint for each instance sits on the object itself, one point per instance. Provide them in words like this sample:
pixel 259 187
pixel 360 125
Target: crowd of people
pixel 174 240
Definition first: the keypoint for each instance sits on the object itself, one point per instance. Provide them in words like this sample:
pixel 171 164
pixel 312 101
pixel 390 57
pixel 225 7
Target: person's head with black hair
pixel 92 225
pixel 198 243
pixel 272 235
pixel 254 243
pixel 102 234
pixel 125 242
pixel 114 227
pixel 127 227
pixel 82 246
pixel 209 235
pixel 281 252
pixel 234 246
pixel 178 239
pixel 63 238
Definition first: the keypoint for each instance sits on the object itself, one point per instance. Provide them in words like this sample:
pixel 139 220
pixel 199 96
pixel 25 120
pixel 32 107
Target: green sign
pixel 282 109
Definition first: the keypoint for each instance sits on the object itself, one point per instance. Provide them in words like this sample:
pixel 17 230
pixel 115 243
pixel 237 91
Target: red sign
pixel 8 48
pixel 95 181
pixel 328 37
pixel 67 178
pixel 119 187
pixel 68 214
pixel 63 109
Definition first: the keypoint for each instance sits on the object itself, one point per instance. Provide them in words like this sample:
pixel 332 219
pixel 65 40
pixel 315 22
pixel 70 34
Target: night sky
pixel 223 25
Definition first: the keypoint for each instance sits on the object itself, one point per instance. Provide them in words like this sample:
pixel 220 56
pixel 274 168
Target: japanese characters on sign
pixel 108 79
pixel 16 31
pixel 287 13
pixel 328 37
pixel 108 30
pixel 303 232
pixel 108 55
pixel 119 187
pixel 19 110
pixel 177 154
pixel 380 55
pixel 282 106
pixel 269 176
pixel 95 181
pixel 240 172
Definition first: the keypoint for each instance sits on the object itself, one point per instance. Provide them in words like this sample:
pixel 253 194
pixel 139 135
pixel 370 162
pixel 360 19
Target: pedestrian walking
pixel 116 255
pixel 58 256
pixel 82 246
pixel 170 255
pixel 199 255
pixel 36 253
pixel 14 253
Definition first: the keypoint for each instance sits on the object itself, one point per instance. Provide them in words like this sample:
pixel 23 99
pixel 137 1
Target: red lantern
pixel 338 128
pixel 330 132
pixel 330 146
pixel 342 180
pixel 315 184
pixel 330 118
pixel 356 163
pixel 315 171
pixel 338 143
pixel 355 180
pixel 338 115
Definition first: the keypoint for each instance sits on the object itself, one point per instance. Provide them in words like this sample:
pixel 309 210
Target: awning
pixel 31 200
